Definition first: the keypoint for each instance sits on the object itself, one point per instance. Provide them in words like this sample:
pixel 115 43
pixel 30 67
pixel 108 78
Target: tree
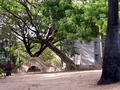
pixel 47 22
pixel 8 45
pixel 68 47
pixel 111 58
pixel 31 25
pixel 47 56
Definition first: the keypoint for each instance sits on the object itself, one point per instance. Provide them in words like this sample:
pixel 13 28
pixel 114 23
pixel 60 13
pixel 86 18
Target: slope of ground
pixel 80 80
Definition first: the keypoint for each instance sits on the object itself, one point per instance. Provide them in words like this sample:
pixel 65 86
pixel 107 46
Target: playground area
pixel 79 80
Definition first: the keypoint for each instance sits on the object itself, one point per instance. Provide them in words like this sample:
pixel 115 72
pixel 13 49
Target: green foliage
pixel 96 13
pixel 73 19
pixel 69 16
pixel 8 45
pixel 1 71
pixel 68 47
pixel 20 52
pixel 47 56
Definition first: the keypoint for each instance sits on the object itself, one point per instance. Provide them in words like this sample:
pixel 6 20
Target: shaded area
pixel 33 69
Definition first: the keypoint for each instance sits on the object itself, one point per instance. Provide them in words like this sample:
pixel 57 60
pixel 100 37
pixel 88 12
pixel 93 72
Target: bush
pixel 1 71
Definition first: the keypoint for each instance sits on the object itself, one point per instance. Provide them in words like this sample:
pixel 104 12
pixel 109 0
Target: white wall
pixel 87 52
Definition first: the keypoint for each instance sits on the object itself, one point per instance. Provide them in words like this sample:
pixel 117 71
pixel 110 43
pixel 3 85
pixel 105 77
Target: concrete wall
pixel 89 53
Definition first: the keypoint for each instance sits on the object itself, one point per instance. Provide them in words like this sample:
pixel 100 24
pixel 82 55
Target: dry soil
pixel 79 80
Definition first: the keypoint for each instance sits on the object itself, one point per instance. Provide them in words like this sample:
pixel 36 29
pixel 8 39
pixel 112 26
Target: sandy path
pixel 81 80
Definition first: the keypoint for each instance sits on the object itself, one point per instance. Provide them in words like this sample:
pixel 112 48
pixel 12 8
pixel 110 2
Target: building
pixel 88 53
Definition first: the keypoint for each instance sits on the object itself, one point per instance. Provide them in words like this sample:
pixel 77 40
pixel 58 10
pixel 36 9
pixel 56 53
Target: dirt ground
pixel 80 80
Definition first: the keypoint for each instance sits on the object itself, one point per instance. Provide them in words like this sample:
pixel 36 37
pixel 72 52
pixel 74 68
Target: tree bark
pixel 111 56
pixel 27 48
pixel 70 65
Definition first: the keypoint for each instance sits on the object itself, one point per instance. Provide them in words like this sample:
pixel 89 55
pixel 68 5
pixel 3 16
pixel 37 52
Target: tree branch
pixel 31 4
pixel 28 12
pixel 31 17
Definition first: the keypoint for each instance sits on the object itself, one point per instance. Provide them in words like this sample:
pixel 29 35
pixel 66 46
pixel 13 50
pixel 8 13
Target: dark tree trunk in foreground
pixel 70 65
pixel 111 57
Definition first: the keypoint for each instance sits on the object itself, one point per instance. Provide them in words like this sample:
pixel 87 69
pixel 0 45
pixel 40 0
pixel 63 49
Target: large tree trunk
pixel 111 57
pixel 70 65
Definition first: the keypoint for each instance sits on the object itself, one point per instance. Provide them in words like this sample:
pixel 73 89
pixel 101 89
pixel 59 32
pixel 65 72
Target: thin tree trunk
pixel 101 47
pixel 111 57
pixel 70 65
